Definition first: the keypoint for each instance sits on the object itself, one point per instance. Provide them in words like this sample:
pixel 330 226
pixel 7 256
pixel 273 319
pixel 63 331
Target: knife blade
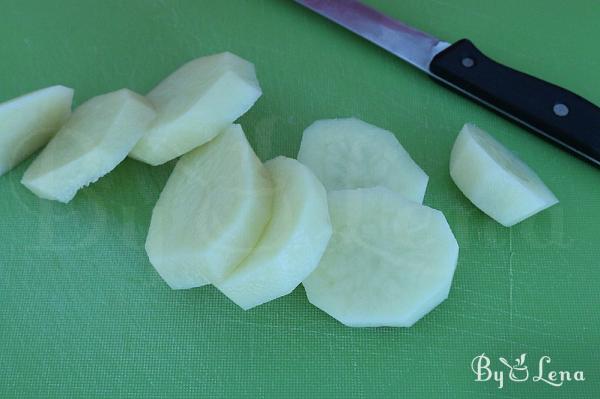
pixel 552 112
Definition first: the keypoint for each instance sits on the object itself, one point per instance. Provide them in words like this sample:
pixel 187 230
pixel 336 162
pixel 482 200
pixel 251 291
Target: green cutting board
pixel 83 313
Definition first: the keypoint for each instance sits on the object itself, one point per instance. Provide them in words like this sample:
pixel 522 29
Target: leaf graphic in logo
pixel 521 360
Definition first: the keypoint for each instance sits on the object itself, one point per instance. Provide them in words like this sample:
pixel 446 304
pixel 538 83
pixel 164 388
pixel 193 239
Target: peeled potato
pixel 96 138
pixel 211 212
pixel 350 153
pixel 29 121
pixel 495 180
pixel 195 103
pixel 292 243
pixel 389 261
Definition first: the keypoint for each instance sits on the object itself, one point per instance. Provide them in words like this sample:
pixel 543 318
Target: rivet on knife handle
pixel 549 110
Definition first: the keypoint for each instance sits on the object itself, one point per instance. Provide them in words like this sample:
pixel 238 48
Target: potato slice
pixel 195 103
pixel 29 121
pixel 389 261
pixel 211 212
pixel 350 153
pixel 96 138
pixel 495 180
pixel 293 241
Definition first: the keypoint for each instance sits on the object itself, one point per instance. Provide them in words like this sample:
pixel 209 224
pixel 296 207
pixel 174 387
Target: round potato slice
pixel 195 103
pixel 211 212
pixel 495 180
pixel 96 138
pixel 389 261
pixel 28 122
pixel 293 241
pixel 349 153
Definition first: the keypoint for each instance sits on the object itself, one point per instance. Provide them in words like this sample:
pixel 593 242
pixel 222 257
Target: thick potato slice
pixel 292 243
pixel 195 103
pixel 96 138
pixel 28 122
pixel 495 180
pixel 350 153
pixel 211 212
pixel 389 261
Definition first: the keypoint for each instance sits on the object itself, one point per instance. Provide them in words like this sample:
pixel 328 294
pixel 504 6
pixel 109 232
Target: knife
pixel 552 112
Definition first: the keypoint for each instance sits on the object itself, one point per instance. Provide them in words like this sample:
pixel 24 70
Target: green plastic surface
pixel 83 313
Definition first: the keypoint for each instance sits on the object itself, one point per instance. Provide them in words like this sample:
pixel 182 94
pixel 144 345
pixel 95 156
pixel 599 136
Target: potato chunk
pixel 293 241
pixel 350 153
pixel 96 138
pixel 28 122
pixel 389 261
pixel 495 180
pixel 195 103
pixel 211 213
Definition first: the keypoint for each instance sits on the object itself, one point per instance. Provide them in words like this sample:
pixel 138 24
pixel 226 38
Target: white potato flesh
pixel 389 261
pixel 211 213
pixel 96 138
pixel 495 180
pixel 195 103
pixel 28 122
pixel 349 153
pixel 292 243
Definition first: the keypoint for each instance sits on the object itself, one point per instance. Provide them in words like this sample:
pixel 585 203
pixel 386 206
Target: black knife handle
pixel 544 108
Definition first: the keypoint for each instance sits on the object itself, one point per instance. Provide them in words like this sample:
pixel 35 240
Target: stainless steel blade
pixel 413 46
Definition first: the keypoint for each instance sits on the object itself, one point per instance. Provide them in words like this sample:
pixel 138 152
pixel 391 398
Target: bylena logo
pixel 518 371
